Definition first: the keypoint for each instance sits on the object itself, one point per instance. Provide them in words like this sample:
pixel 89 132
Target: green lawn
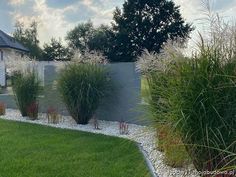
pixel 28 150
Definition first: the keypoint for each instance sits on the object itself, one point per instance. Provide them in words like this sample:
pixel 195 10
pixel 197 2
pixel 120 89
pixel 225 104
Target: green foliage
pixel 1 91
pixel 55 51
pixel 82 86
pixel 141 25
pixel 197 97
pixel 41 151
pixel 161 87
pixel 29 38
pixel 146 25
pixel 79 37
pixel 206 95
pixel 102 40
pixel 86 37
pixel 26 88
pixel 169 141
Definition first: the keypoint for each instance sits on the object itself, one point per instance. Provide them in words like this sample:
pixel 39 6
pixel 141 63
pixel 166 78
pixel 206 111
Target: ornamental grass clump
pixel 26 89
pixel 82 86
pixel 206 99
pixel 196 97
pixel 159 69
pixel 83 83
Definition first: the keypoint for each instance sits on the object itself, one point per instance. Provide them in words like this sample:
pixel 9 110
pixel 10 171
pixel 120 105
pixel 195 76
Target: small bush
pixel 52 115
pixel 2 109
pixel 26 88
pixel 32 111
pixel 82 86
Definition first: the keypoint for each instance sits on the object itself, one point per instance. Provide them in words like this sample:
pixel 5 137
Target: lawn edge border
pixel 147 160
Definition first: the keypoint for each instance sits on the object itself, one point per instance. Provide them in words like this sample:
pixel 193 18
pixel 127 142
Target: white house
pixel 10 48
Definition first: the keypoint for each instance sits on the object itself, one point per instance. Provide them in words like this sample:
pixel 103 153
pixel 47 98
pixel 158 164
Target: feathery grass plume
pixel 160 71
pixel 92 57
pixel 82 84
pixel 25 82
pixel 150 62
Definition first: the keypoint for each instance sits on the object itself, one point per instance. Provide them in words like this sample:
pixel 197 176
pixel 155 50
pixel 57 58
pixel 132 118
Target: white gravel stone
pixel 144 135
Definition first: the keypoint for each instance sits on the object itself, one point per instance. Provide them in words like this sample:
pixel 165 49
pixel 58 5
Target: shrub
pixel 52 115
pixel 32 111
pixel 2 109
pixel 26 88
pixel 82 86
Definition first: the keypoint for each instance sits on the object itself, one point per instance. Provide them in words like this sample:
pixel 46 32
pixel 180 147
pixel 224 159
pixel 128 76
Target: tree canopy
pixel 146 24
pixel 140 25
pixel 28 36
pixel 55 51
pixel 79 37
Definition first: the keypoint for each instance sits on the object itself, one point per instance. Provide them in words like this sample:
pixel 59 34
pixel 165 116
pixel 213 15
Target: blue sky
pixel 56 17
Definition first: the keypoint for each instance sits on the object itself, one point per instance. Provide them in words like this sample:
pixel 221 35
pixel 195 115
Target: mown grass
pixel 28 150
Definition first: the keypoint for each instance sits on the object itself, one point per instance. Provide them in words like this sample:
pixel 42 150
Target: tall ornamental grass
pixel 196 96
pixel 160 71
pixel 26 89
pixel 206 99
pixel 82 87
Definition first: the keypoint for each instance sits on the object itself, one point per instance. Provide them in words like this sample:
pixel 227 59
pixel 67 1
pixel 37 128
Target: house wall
pixel 8 53
pixel 123 102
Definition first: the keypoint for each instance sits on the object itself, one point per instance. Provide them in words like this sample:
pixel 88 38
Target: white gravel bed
pixel 144 135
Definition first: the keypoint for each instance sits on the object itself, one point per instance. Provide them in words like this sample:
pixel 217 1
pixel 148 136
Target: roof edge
pixel 6 46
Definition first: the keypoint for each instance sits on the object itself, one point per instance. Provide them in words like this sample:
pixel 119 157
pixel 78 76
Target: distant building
pixel 10 48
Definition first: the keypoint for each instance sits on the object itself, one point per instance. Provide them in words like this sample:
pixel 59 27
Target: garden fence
pixel 122 104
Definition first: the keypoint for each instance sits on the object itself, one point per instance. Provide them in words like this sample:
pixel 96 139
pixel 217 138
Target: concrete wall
pixel 123 102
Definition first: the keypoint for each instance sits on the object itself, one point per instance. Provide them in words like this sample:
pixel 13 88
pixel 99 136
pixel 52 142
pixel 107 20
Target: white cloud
pixel 16 2
pixel 51 21
pixel 195 11
pixel 102 15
